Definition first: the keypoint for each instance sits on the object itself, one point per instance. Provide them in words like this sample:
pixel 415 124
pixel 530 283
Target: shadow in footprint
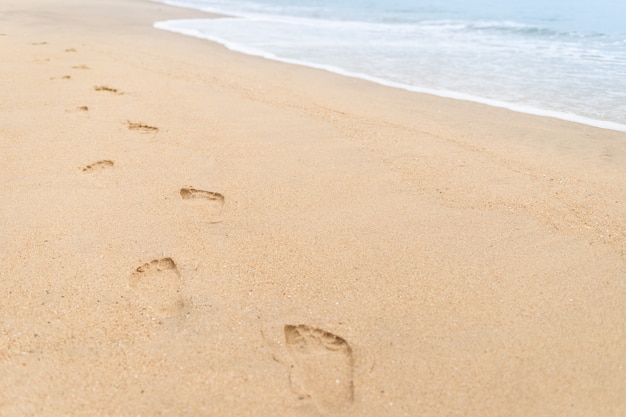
pixel 108 89
pixel 97 166
pixel 140 127
pixel 157 285
pixel 211 202
pixel 77 109
pixel 323 367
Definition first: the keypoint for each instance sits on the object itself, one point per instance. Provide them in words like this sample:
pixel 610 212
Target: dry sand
pixel 186 231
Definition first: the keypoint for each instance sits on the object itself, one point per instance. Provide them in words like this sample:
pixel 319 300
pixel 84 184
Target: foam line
pixel 169 25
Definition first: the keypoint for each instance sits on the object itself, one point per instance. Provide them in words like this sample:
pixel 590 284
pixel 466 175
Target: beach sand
pixel 187 231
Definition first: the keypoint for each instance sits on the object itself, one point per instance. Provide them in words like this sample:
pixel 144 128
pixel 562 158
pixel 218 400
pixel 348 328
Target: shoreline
pixel 192 231
pixel 521 108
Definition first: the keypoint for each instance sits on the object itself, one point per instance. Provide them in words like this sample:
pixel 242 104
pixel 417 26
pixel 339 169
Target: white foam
pixel 179 26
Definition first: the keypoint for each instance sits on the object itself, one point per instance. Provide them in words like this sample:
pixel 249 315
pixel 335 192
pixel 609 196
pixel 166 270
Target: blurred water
pixel 564 59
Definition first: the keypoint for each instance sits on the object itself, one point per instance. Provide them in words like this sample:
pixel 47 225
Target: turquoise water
pixel 564 59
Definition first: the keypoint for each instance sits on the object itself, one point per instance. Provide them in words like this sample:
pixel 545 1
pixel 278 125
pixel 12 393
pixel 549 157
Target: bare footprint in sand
pixel 97 166
pixel 323 367
pixel 140 127
pixel 77 109
pixel 108 89
pixel 157 285
pixel 211 202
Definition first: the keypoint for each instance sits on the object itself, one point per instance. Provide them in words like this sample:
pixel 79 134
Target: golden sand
pixel 186 231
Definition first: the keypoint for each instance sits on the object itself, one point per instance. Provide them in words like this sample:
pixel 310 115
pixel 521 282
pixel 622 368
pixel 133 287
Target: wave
pixel 301 15
pixel 503 36
pixel 185 27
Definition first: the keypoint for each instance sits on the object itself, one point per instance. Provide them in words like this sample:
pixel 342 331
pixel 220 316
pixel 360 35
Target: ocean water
pixel 559 58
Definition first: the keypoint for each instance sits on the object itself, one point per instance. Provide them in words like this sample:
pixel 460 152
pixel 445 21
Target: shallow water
pixel 562 59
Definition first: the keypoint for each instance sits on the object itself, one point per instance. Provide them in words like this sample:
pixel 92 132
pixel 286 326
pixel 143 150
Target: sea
pixel 558 58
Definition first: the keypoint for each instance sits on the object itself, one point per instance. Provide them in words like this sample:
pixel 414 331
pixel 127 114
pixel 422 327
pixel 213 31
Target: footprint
pixel 97 166
pixel 105 88
pixel 213 202
pixel 141 127
pixel 157 285
pixel 190 193
pixel 39 43
pixel 77 109
pixel 85 67
pixel 70 50
pixel 324 367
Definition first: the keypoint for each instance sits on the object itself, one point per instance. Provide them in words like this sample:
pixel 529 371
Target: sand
pixel 187 231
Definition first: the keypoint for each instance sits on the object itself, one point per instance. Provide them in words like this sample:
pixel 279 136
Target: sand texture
pixel 187 231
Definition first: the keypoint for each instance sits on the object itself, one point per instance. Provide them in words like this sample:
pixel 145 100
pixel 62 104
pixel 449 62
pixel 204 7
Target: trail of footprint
pixel 97 166
pixel 141 127
pixel 157 285
pixel 213 202
pixel 324 367
pixel 106 88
